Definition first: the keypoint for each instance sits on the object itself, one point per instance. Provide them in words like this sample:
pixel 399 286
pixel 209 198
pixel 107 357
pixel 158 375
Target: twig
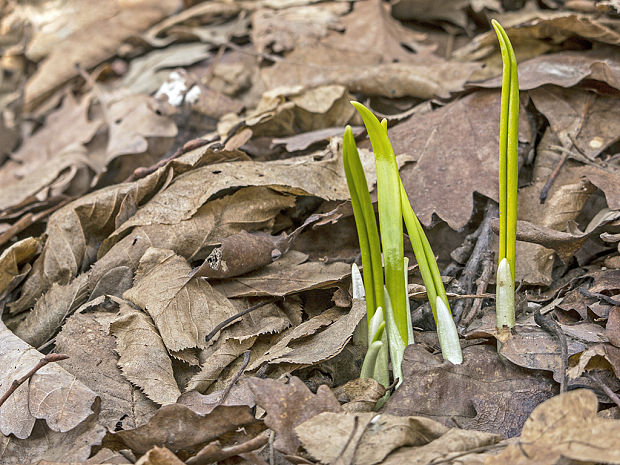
pixel 206 455
pixel 244 365
pixel 552 327
pixel 596 295
pixel 485 277
pixel 471 268
pixel 349 440
pixel 40 364
pixel 611 394
pixel 229 320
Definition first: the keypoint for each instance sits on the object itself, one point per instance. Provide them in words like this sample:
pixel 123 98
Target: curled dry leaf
pixel 143 357
pixel 483 393
pixel 600 356
pixel 179 428
pixel 13 258
pixel 565 428
pixel 288 275
pixel 289 405
pixel 239 254
pixel 52 394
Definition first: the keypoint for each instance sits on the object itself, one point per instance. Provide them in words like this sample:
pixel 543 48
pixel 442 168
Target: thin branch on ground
pixel 552 327
pixel 487 273
pixel 40 364
pixel 473 264
pixel 244 365
pixel 235 317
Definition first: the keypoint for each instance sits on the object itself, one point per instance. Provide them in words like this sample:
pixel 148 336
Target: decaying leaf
pixel 456 152
pixel 179 428
pixel 93 42
pixel 564 428
pixel 483 393
pixel 184 309
pixel 289 405
pixel 290 274
pixel 143 356
pixel 84 338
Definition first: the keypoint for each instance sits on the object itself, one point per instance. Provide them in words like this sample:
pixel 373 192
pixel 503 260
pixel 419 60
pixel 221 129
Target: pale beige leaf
pixel 53 394
pixel 183 309
pixel 143 356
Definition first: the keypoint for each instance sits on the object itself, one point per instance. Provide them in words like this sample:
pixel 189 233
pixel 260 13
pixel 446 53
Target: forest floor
pixel 168 165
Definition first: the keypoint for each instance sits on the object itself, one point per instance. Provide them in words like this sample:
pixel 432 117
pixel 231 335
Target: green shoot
pixel 390 328
pixel 390 219
pixel 508 181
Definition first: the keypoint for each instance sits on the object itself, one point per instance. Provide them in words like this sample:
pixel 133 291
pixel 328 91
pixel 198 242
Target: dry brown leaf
pixel 589 121
pixel 51 310
pixel 179 428
pixel 566 69
pixel 132 121
pixel 483 393
pixel 325 344
pixel 429 11
pixel 289 405
pixel 143 357
pixel 85 339
pixel 73 446
pixel 288 275
pixel 456 151
pixel 359 395
pixel 184 309
pixel 239 394
pixel 284 30
pixel 189 191
pixel 13 257
pixel 612 328
pixel 307 328
pixel 600 356
pixel 52 394
pixel 219 357
pixel 369 438
pixel 565 428
pixel 92 43
pixel 605 180
pixel 159 456
pixel 148 72
pixel 75 232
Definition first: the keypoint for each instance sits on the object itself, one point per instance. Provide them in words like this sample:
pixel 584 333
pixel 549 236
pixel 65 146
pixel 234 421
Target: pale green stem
pixel 448 335
pixel 390 219
pixel 505 296
pixel 368 367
